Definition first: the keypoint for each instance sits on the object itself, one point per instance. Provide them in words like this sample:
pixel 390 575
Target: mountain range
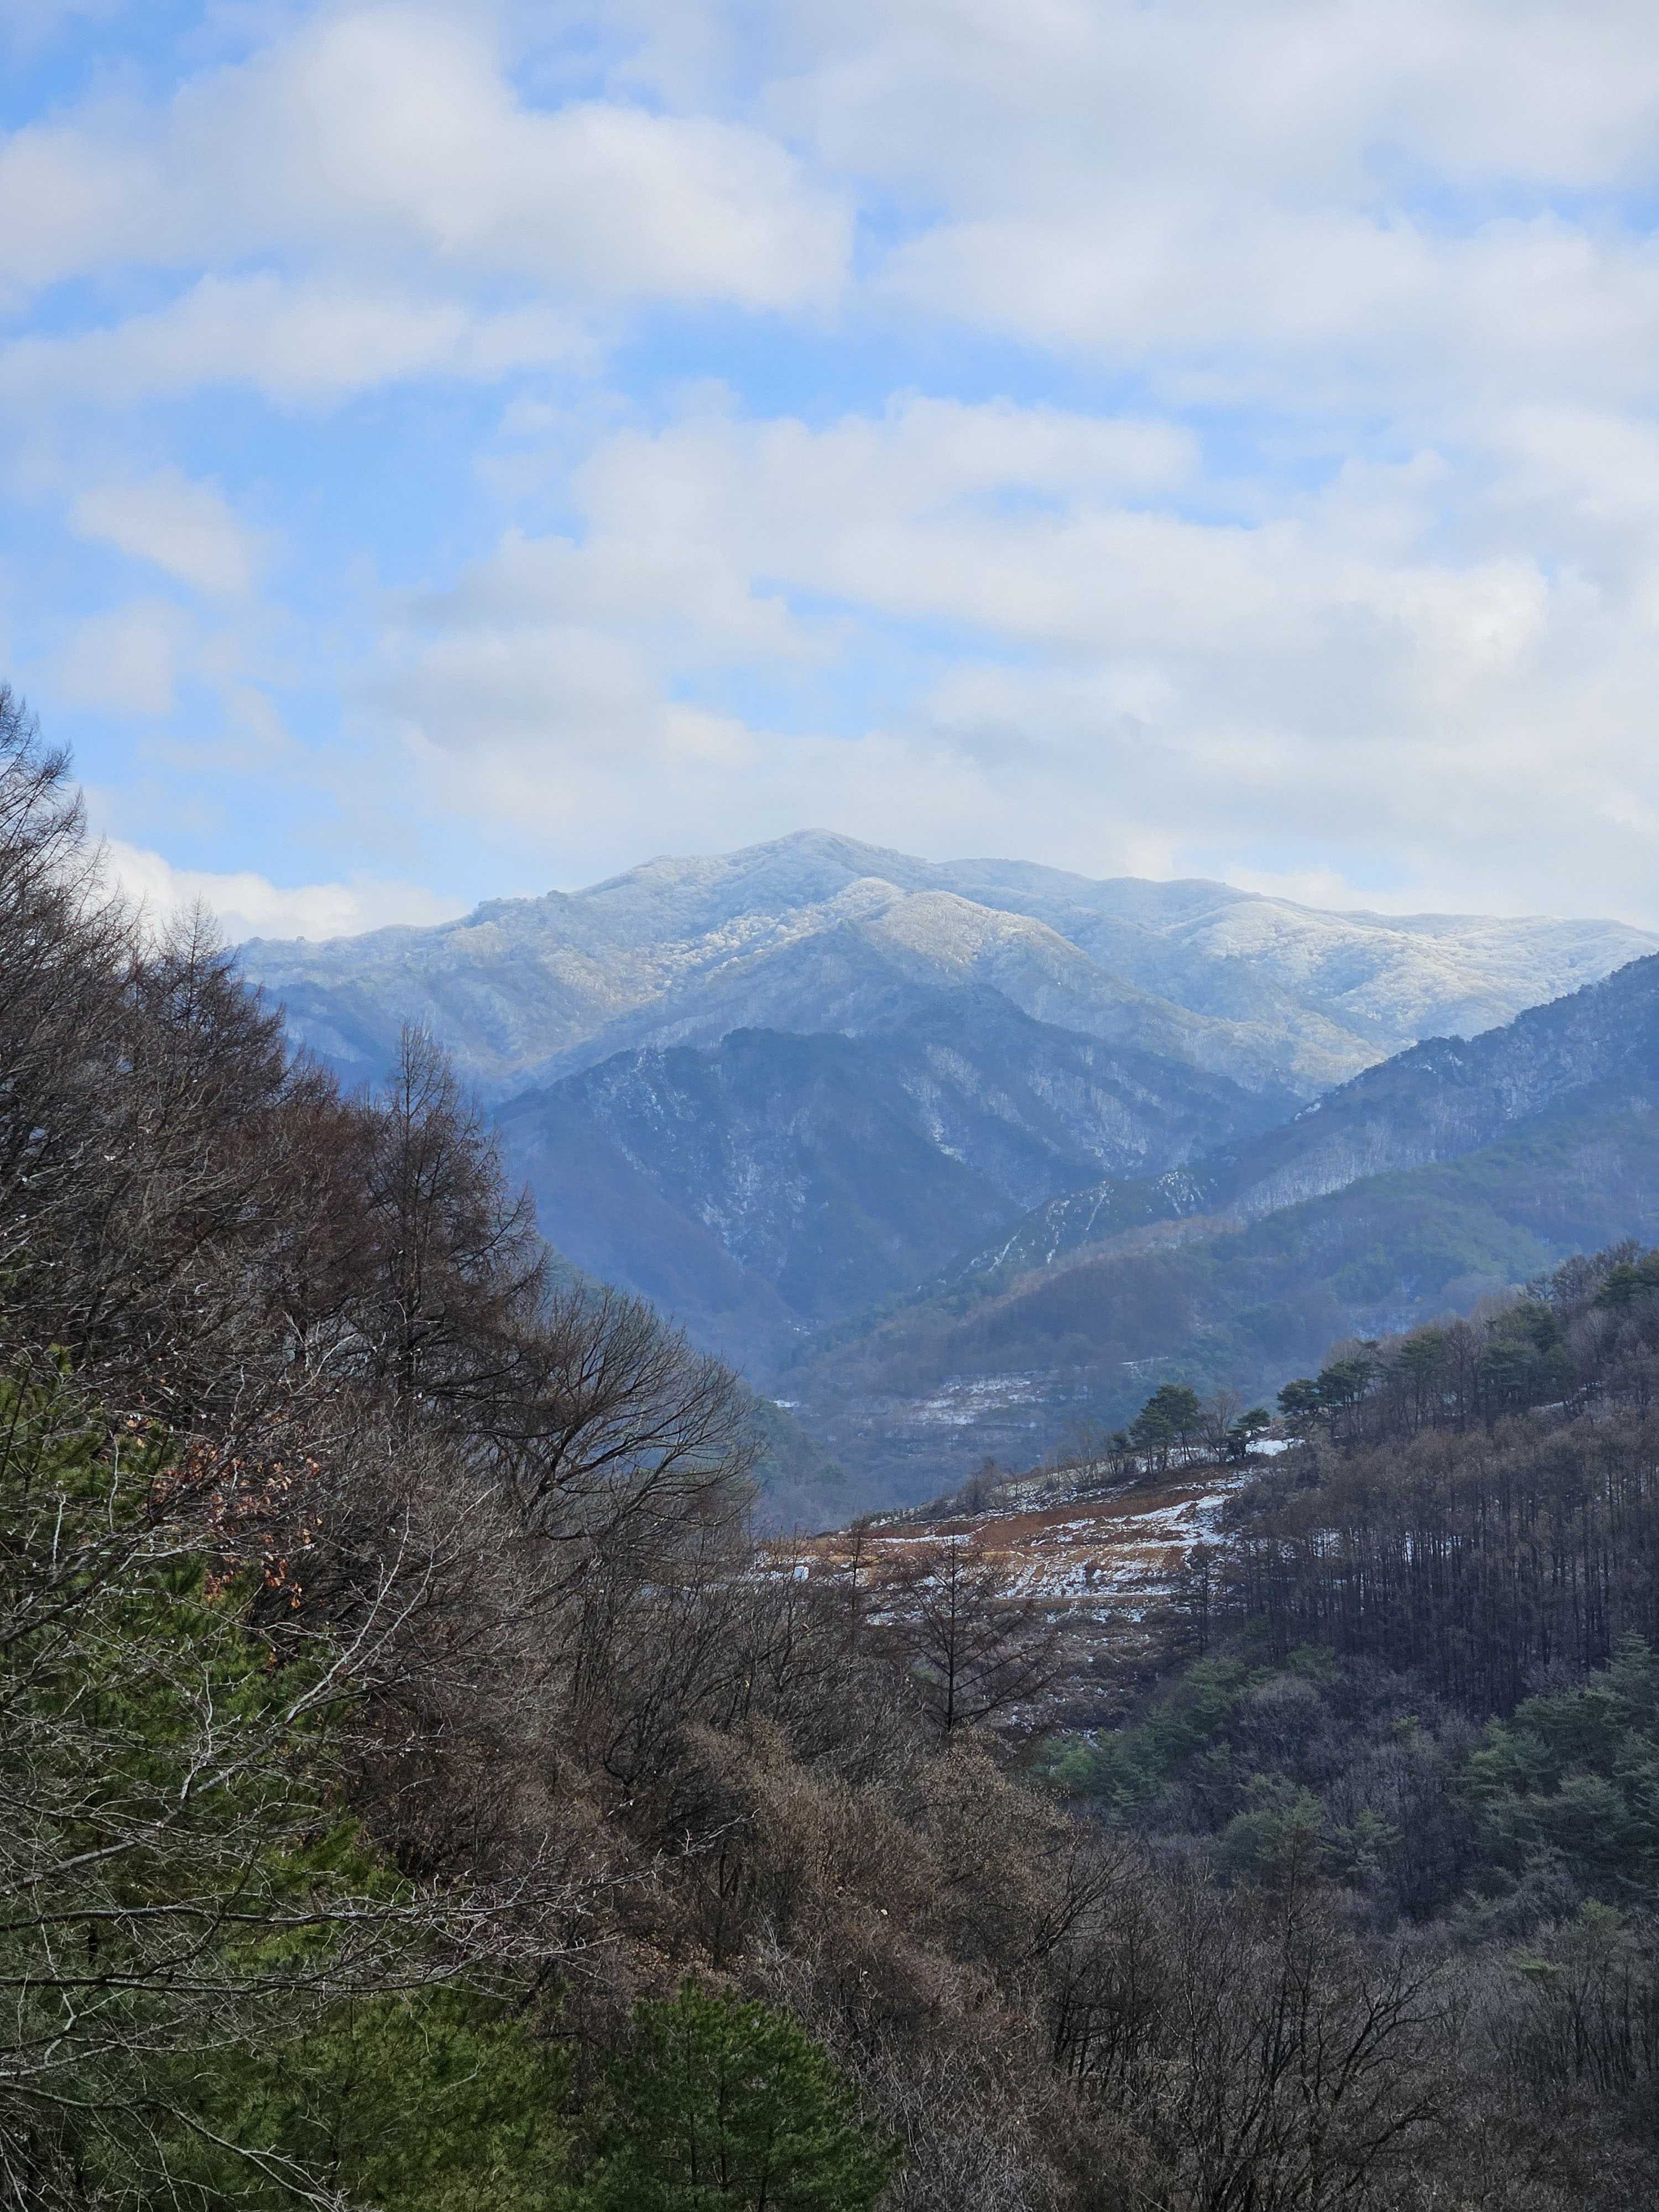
pixel 818 933
pixel 1450 1173
pixel 957 1149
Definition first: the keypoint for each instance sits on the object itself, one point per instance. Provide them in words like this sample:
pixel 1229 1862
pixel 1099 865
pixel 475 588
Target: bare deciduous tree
pixel 975 1646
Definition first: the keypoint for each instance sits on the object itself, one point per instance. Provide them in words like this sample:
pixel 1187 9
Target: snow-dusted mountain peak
pixel 817 931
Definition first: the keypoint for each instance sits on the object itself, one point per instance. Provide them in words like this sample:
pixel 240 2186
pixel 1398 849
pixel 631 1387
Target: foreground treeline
pixel 1508 1875
pixel 421 1791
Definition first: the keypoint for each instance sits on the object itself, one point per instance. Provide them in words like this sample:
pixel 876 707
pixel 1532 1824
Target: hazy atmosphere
pixel 460 451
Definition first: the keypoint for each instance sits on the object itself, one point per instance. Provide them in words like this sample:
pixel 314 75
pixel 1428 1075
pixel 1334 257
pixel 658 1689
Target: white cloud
pixel 246 904
pixel 1356 586
pixel 985 515
pixel 696 540
pixel 1025 526
pixel 314 340
pixel 29 24
pixel 393 132
pixel 1025 105
pixel 1328 689
pixel 394 120
pixel 1270 200
pixel 72 199
pixel 188 529
pixel 1306 311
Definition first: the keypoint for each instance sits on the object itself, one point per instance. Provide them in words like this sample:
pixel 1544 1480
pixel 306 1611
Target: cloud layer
pixel 246 904
pixel 458 454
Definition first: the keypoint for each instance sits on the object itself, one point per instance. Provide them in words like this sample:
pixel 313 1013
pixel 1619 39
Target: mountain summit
pixel 816 933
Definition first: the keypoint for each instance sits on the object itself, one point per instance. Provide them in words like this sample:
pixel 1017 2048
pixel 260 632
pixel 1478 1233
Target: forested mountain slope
pixel 1597 1048
pixel 1447 1174
pixel 773 1182
pixel 1595 1051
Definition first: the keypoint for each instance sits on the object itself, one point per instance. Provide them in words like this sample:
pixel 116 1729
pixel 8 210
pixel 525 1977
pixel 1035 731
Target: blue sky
pixel 453 450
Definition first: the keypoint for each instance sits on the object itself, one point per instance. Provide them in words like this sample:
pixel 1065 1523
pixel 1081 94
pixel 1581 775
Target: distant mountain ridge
pixel 1436 1101
pixel 818 932
pixel 777 1089
pixel 835 1170
pixel 1451 1171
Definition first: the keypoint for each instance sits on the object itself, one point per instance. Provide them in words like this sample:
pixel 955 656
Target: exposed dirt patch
pixel 1119 1572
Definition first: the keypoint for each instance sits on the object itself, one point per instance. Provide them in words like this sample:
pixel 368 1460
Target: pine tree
pixel 724 2103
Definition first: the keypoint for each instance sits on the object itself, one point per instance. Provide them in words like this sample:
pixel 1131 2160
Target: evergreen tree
pixel 220 1993
pixel 724 2103
pixel 438 2100
pixel 1172 1415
